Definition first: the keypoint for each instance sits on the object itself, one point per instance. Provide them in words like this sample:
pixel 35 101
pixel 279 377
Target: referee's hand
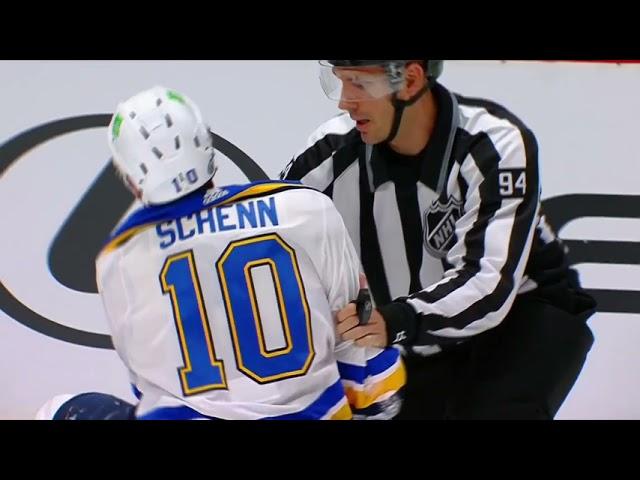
pixel 373 334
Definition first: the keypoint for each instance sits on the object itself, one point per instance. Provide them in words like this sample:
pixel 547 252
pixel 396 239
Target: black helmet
pixel 433 67
pixel 394 70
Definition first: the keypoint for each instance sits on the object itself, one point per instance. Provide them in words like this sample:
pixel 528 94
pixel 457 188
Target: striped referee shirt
pixel 447 238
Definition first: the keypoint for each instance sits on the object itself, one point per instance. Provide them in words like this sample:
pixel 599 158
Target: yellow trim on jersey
pixel 371 393
pixel 215 362
pixel 123 237
pixel 343 413
pixel 232 321
pixel 256 190
pixel 261 190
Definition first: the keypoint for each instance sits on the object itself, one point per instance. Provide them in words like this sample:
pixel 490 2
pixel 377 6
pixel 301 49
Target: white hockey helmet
pixel 161 145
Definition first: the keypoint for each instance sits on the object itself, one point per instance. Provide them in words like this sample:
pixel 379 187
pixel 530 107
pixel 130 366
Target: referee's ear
pixel 415 79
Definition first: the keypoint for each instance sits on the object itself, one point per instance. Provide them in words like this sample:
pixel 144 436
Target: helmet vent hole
pixel 158 102
pixel 177 139
pixel 167 119
pixel 157 152
pixel 132 115
pixel 144 133
pixel 143 167
pixel 196 140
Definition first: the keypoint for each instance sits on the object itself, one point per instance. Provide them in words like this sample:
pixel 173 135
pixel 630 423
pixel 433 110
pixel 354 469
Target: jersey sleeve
pixel 494 237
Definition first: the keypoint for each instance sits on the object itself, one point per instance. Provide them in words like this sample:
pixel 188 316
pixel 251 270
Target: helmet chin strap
pixel 400 105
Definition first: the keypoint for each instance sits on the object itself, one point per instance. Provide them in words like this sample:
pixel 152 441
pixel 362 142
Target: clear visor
pixel 356 84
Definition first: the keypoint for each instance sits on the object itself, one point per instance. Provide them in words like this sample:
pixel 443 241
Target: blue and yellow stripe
pixel 147 217
pixel 330 405
pixel 383 375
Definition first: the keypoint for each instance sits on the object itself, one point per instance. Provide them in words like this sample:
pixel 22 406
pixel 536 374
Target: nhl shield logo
pixel 440 226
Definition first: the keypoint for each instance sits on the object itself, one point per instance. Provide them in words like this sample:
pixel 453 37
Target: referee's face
pixel 373 117
pixel 365 93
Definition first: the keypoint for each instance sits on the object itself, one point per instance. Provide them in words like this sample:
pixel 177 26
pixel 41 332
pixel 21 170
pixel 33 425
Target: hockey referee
pixel 441 196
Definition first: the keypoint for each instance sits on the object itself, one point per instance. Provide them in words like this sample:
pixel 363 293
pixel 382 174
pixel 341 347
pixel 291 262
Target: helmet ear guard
pixel 434 68
pixel 161 145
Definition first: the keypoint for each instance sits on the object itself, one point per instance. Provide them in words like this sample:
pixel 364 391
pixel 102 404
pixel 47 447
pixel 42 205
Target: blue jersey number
pixel 202 370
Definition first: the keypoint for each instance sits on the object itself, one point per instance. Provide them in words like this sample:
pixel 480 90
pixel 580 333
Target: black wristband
pixel 401 321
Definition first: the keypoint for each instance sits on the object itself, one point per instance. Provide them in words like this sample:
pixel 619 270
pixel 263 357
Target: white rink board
pixel 584 116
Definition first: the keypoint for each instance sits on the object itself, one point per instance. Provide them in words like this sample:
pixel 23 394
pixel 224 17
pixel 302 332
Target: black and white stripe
pixel 502 245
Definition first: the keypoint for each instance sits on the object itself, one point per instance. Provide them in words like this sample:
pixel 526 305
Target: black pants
pixel 522 369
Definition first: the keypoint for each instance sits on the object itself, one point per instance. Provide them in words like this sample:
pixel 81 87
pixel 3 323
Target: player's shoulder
pixel 291 197
pixel 262 188
pixel 304 205
pixel 303 197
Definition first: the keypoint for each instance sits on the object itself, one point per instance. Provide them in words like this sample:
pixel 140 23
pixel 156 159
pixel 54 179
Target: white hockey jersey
pixel 222 305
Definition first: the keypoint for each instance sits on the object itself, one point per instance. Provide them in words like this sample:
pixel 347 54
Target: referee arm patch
pixel 512 182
